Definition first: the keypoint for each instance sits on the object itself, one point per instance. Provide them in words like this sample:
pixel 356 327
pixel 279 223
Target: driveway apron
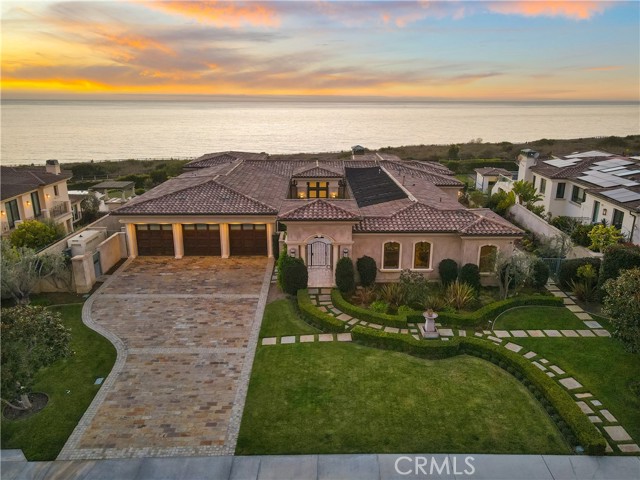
pixel 186 332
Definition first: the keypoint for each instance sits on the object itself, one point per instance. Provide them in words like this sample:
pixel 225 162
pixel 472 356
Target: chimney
pixel 53 166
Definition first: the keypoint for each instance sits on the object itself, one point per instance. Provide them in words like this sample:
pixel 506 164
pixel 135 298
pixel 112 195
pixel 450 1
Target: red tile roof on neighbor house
pixel 213 159
pixel 317 172
pixel 210 198
pixel 319 210
pixel 484 171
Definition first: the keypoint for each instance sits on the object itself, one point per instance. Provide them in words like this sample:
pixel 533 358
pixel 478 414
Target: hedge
pixel 569 269
pixel 366 314
pixel 315 317
pixel 574 424
pixel 490 311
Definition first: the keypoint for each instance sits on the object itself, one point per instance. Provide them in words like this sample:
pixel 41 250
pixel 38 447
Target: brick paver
pixel 186 329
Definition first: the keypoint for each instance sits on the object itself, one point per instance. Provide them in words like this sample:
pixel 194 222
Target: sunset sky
pixel 494 50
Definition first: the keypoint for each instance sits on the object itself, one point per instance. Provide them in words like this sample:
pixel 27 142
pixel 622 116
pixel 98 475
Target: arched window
pixel 391 257
pixel 487 261
pixel 422 255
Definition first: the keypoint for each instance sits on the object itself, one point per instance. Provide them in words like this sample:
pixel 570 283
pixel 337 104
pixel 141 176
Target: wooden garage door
pixel 248 239
pixel 201 239
pixel 154 239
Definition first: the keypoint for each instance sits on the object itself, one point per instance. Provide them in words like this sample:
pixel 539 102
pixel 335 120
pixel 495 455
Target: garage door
pixel 201 239
pixel 154 239
pixel 248 239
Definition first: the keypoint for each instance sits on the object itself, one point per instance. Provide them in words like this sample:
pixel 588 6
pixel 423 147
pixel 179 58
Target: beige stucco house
pixel 404 214
pixel 35 193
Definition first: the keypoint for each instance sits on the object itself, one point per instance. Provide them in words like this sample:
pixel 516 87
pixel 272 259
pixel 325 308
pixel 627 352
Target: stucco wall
pixel 112 250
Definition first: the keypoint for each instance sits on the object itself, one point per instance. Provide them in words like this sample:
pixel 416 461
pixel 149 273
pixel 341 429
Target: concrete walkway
pixel 329 467
pixel 185 332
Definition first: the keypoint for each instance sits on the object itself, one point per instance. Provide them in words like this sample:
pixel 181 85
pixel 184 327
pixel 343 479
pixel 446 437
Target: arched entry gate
pixel 319 255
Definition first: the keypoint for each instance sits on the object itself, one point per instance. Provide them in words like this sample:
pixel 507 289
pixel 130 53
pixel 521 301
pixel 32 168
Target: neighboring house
pixel 115 193
pixel 35 193
pixel 486 177
pixel 77 196
pixel 592 186
pixel 403 214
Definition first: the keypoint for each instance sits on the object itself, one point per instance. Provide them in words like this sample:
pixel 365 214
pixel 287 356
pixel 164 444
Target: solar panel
pixel 559 163
pixel 614 162
pixel 371 186
pixel 622 195
pixel 625 173
pixel 591 153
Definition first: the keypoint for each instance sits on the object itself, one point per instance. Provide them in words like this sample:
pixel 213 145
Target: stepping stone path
pixel 614 433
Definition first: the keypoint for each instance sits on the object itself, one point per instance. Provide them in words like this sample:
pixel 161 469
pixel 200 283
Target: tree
pixel 512 272
pixel 345 279
pixel 34 234
pixel 454 152
pixel 448 270
pixel 90 206
pixel 526 193
pixel 32 338
pixel 500 202
pixel 622 304
pixel 21 270
pixel 478 198
pixel 601 237
pixel 367 269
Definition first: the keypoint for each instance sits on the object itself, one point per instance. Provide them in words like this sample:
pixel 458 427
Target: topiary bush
pixel 539 274
pixel 448 270
pixel 470 274
pixel 283 260
pixel 367 269
pixel 345 279
pixel 294 276
pixel 569 269
pixel 617 258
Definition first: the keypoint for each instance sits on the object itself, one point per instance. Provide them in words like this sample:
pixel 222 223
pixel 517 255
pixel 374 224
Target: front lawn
pixel 346 398
pixel 281 318
pixel 538 318
pixel 603 367
pixel 69 383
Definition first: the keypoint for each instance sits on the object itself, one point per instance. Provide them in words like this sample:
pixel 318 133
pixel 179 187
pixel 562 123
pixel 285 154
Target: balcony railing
pixel 59 208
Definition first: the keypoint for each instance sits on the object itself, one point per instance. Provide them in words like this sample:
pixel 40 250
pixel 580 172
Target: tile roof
pixel 213 159
pixel 319 210
pixel 492 171
pixel 209 198
pixel 317 172
pixel 422 218
pixel 18 180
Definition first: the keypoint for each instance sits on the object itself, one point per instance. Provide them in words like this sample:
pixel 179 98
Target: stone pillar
pixel 224 240
pixel 270 240
pixel 132 242
pixel 84 276
pixel 178 242
pixel 336 256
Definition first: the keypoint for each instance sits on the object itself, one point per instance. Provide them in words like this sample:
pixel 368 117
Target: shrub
pixel 580 234
pixel 414 287
pixel 365 314
pixel 470 274
pixel 315 317
pixel 601 237
pixel 448 270
pixel 345 279
pixel 283 260
pixel 34 234
pixel 539 274
pixel 393 294
pixel 569 269
pixel 622 304
pixel 405 310
pixel 435 302
pixel 458 295
pixel 294 276
pixel 379 306
pixel 565 224
pixel 365 296
pixel 617 258
pixel 367 269
pixel 584 288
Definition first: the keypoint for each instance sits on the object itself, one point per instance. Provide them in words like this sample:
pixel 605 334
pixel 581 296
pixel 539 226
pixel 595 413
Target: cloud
pixel 222 13
pixel 604 68
pixel 574 9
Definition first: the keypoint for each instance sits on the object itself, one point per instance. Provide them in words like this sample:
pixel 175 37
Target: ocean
pixel 71 131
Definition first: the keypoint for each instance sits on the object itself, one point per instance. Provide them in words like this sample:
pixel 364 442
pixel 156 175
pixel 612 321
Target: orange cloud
pixel 578 10
pixel 222 14
pixel 606 68
pixel 136 42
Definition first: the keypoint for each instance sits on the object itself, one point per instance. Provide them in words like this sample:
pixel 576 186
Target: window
pixel 35 201
pixel 422 255
pixel 317 189
pixel 560 190
pixel 13 214
pixel 488 255
pixel 533 180
pixel 578 195
pixel 596 212
pixel 543 185
pixel 618 217
pixel 56 192
pixel 391 258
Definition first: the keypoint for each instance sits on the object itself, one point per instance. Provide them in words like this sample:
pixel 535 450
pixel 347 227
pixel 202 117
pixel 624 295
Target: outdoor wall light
pixel 345 252
pixel 292 251
pixel 48 195
pixel 604 211
pixel 28 203
pixel 301 195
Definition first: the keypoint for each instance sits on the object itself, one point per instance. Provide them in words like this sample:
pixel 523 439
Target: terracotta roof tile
pixel 210 198
pixel 317 172
pixel 319 210
pixel 213 159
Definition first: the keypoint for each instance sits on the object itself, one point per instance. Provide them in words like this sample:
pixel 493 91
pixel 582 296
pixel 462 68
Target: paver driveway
pixel 186 332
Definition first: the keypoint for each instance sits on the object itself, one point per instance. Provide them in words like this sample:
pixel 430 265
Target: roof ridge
pixel 473 224
pixel 418 170
pixel 245 195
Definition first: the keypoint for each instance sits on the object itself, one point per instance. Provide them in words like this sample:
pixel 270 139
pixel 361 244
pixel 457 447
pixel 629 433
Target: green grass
pixel 281 318
pixel 538 318
pixel 42 436
pixel 346 398
pixel 602 366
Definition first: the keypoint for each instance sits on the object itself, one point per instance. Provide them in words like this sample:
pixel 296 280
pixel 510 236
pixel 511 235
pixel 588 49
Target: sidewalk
pixel 329 467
